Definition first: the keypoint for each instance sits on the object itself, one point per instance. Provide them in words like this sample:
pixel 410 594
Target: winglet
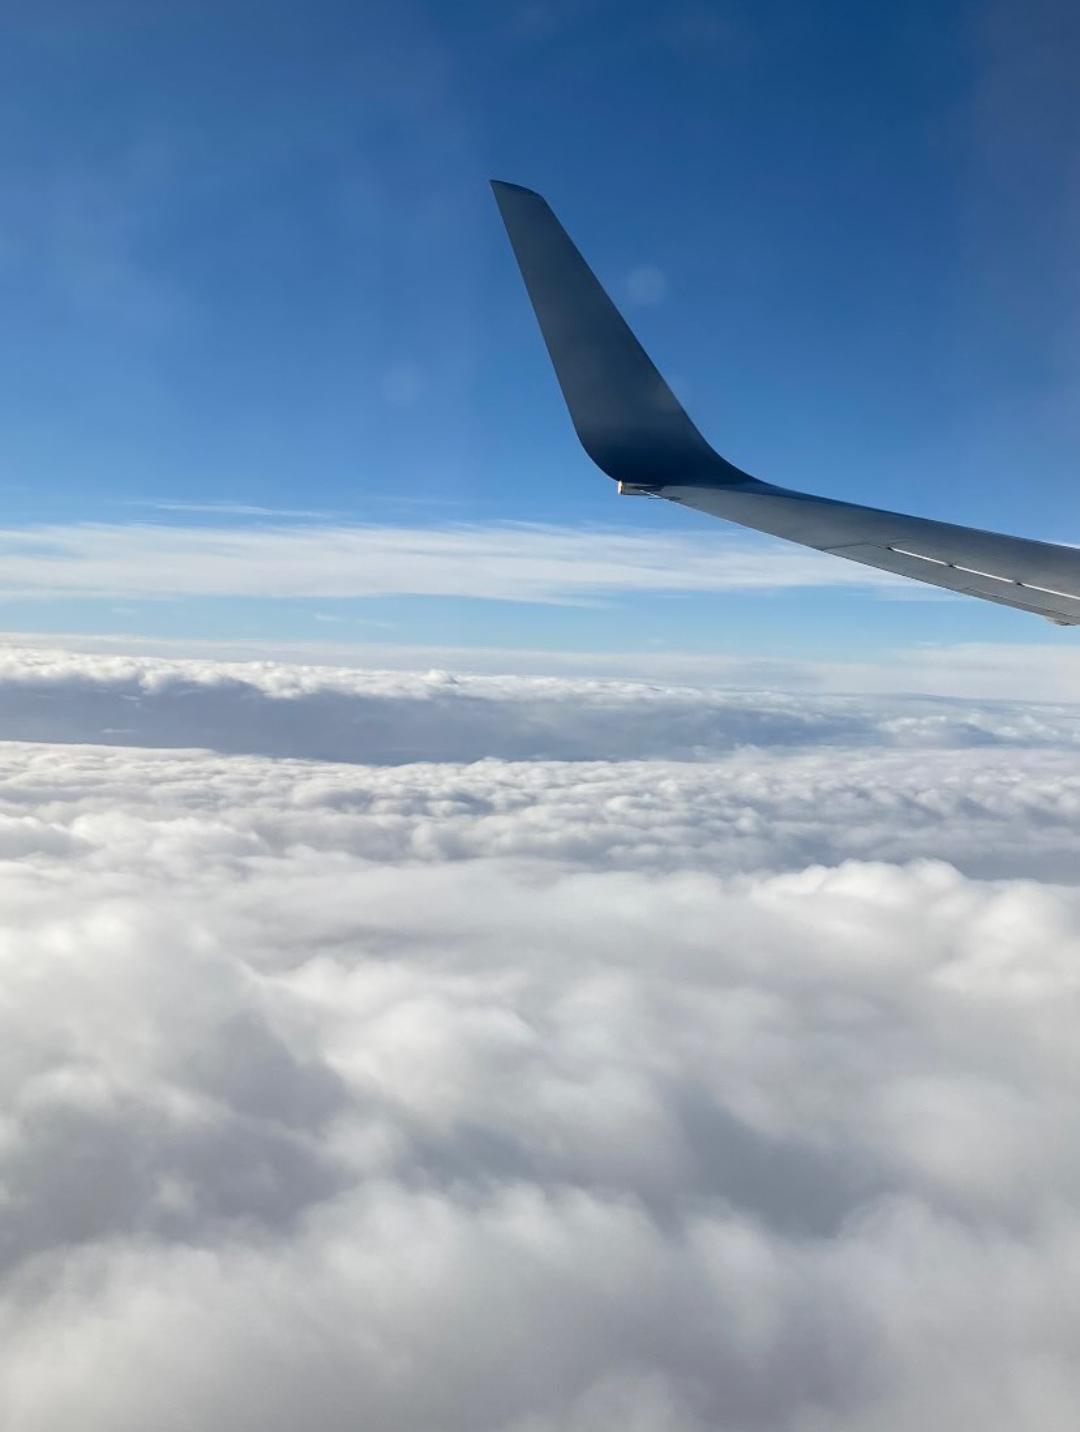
pixel 628 419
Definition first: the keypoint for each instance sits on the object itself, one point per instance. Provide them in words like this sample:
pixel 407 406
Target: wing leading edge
pixel 634 429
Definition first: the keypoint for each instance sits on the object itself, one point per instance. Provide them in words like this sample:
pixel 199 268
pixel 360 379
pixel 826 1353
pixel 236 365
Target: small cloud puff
pixel 646 286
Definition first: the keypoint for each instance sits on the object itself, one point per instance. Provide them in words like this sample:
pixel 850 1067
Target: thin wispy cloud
pixel 500 562
pixel 235 509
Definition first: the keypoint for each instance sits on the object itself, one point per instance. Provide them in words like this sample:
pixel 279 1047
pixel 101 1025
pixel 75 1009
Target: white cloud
pixel 534 1095
pixel 514 563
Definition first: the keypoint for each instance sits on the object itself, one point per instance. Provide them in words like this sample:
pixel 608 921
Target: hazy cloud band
pixel 506 562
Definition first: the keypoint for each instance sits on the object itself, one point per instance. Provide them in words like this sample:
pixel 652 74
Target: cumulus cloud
pixel 519 562
pixel 535 1094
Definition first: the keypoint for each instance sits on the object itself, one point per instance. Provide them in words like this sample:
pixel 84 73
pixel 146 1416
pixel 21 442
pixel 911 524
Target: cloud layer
pixel 272 708
pixel 538 1094
pixel 1023 677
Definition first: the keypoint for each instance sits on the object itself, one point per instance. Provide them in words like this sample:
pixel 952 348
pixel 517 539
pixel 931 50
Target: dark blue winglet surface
pixel 634 429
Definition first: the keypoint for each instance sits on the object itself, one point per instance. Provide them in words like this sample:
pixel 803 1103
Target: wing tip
pixel 506 186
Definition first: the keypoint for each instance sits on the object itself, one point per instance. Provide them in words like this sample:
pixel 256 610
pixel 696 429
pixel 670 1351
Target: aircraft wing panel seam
pixel 919 556
pixel 1050 591
pixel 980 572
pixel 993 576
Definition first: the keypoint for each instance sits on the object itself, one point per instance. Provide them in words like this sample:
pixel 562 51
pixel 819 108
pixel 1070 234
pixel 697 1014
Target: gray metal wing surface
pixel 633 427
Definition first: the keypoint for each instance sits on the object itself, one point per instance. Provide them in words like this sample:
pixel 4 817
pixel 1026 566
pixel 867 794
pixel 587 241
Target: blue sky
pixel 257 295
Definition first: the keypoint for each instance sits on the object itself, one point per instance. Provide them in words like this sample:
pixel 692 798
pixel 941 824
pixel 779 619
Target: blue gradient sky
pixel 249 257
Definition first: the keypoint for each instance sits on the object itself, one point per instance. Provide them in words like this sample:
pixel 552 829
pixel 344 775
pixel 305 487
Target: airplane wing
pixel 634 429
